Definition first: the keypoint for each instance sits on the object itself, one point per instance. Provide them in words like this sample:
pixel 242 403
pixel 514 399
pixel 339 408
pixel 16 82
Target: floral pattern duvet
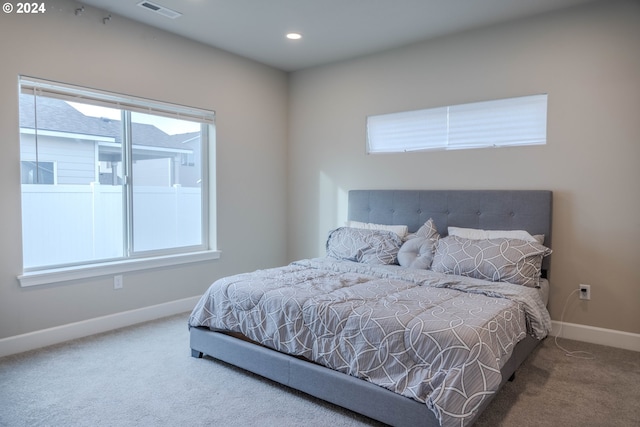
pixel 439 339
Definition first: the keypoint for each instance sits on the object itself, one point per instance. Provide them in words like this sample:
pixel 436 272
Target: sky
pixel 168 125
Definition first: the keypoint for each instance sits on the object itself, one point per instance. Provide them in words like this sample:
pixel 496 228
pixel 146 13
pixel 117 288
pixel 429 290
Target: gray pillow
pixel 497 260
pixel 365 246
pixel 428 231
pixel 417 253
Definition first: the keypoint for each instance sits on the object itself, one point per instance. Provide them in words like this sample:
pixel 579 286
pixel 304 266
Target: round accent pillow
pixel 417 253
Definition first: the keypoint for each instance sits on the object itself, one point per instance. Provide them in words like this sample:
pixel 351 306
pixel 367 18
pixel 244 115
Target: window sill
pixel 45 277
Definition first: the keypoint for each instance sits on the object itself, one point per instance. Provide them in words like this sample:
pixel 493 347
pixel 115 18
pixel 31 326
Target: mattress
pixel 543 291
pixel 436 338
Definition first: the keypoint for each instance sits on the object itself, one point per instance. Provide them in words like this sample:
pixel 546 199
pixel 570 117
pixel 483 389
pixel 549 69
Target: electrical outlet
pixel 117 282
pixel 585 292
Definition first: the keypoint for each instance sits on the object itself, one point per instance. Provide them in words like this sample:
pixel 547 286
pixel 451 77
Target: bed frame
pixel 528 210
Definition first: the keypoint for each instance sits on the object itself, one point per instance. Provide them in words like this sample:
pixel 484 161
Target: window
pixel 497 123
pixel 35 172
pixel 118 188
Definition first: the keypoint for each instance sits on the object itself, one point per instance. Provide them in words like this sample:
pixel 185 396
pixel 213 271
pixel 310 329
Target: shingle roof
pixel 57 115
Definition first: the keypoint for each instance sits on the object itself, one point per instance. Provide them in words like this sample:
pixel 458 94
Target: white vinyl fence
pixel 64 224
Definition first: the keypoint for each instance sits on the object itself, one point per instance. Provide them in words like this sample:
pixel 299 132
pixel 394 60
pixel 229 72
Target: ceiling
pixel 332 30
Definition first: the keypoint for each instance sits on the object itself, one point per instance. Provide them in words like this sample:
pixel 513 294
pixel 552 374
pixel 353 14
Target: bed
pixel 466 329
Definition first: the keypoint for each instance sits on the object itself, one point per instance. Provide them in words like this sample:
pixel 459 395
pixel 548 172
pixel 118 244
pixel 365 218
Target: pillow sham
pixel 364 246
pixel 400 230
pixel 428 230
pixel 477 234
pixel 498 260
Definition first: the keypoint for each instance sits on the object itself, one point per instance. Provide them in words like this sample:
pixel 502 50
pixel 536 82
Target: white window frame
pixel 141 260
pixel 505 122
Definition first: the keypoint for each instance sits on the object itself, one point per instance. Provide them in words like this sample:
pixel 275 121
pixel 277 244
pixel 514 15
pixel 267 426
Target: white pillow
pixel 477 234
pixel 400 230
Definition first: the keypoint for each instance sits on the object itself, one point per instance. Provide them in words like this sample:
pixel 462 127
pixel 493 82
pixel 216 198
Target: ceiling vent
pixel 161 10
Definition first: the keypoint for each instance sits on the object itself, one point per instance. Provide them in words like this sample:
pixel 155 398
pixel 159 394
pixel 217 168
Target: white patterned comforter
pixel 436 338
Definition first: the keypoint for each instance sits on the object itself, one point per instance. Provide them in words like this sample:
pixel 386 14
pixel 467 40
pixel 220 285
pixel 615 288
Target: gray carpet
pixel 144 376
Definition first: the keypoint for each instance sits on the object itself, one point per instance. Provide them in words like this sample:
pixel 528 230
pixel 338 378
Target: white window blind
pixel 100 98
pixel 496 123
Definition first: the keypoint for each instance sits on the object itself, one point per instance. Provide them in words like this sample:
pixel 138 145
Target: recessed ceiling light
pixel 294 36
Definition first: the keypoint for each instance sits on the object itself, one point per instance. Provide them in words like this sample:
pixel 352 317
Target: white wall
pixel 586 58
pixel 250 101
pixel 305 135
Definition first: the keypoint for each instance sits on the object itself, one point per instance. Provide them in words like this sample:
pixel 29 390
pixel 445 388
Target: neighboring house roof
pixel 58 115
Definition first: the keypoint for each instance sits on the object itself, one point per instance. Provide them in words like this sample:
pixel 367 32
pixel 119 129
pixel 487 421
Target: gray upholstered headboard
pixel 528 210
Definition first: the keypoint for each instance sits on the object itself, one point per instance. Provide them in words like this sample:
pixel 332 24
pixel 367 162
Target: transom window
pixel 496 123
pixel 107 178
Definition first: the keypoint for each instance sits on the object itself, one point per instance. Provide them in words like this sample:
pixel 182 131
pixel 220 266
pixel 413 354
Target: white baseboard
pixel 58 334
pixel 594 335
